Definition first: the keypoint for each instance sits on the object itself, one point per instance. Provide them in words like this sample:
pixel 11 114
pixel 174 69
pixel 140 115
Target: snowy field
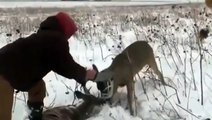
pixel 68 4
pixel 172 31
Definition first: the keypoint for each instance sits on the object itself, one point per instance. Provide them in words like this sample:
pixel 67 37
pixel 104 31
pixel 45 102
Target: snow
pixel 172 47
pixel 111 0
pixel 87 3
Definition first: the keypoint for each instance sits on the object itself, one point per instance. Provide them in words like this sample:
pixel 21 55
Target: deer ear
pixel 104 75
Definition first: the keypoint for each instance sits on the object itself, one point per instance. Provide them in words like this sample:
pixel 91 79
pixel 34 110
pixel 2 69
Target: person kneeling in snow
pixel 26 61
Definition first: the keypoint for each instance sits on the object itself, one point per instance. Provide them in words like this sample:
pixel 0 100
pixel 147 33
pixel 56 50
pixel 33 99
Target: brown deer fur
pixel 80 112
pixel 125 66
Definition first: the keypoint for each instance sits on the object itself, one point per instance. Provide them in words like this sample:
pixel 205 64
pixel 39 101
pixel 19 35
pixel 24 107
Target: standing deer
pixel 123 69
pixel 80 112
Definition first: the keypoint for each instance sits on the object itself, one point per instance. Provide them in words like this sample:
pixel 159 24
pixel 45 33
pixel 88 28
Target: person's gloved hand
pixel 91 73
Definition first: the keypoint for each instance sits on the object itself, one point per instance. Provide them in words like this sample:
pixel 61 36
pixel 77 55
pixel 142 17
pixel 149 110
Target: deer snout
pixel 101 86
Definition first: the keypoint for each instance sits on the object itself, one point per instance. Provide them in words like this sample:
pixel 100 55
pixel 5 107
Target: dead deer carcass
pixel 80 112
pixel 123 69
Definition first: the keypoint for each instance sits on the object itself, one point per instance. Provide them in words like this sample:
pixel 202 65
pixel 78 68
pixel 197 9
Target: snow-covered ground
pixel 105 32
pixel 106 0
pixel 6 4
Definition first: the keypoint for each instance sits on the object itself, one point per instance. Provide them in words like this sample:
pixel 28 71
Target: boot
pixel 36 110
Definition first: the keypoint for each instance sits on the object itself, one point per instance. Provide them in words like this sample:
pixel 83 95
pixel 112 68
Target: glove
pixel 92 73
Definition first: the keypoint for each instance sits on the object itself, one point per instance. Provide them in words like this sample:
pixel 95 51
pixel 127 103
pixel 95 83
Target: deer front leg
pixel 131 98
pixel 113 99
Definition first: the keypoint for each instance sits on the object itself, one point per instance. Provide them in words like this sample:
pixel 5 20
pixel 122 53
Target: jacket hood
pixel 67 24
pixel 61 22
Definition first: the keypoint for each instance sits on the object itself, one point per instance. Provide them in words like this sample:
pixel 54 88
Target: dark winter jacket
pixel 27 60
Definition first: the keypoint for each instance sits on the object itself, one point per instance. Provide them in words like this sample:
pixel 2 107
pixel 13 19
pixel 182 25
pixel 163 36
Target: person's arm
pixel 65 65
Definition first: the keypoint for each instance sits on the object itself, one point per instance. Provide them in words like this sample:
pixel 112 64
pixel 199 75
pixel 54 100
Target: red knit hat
pixel 67 24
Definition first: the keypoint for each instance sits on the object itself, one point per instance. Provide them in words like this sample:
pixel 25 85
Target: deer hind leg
pixel 131 98
pixel 154 67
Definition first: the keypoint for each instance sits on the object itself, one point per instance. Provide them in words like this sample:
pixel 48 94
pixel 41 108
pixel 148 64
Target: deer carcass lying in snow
pixel 73 113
